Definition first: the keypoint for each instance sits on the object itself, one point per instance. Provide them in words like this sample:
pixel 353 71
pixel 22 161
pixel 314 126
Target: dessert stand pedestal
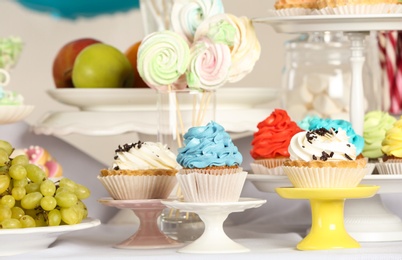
pixel 327 208
pixel 356 27
pixel 148 235
pixel 366 220
pixel 214 239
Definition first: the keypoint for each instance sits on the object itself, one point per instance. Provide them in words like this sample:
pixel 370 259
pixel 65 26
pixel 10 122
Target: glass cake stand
pixel 366 220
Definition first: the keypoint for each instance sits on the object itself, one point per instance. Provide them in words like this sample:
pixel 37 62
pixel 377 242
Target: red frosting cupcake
pixel 271 142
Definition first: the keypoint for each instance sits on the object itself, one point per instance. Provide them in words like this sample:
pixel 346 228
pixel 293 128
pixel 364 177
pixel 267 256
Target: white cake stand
pixel 366 220
pixel 214 239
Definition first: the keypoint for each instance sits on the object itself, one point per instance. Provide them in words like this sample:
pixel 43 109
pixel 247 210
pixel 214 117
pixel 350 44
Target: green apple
pixel 102 66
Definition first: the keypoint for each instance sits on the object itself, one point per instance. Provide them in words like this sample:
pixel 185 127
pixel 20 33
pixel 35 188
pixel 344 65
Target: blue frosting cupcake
pixel 207 147
pixel 211 166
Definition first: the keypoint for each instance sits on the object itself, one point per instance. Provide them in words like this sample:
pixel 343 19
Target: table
pixel 97 243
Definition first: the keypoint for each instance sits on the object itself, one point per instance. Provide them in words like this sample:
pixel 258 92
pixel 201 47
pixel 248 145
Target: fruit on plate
pixel 102 66
pixel 64 61
pixel 131 54
pixel 29 199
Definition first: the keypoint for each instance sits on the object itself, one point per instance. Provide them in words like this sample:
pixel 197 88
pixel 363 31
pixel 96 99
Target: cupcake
pixel 392 149
pixel 323 158
pixel 345 7
pixel 142 170
pixel 294 7
pixel 376 124
pixel 211 170
pixel 270 143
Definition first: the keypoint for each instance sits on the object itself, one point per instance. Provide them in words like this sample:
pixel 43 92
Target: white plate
pixel 350 23
pixel 23 240
pixel 12 114
pixel 243 122
pixel 145 99
pixel 268 183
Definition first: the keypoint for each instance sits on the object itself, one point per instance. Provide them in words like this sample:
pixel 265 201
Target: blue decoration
pixel 72 9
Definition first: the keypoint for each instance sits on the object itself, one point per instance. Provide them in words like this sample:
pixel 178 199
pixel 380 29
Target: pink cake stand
pixel 148 235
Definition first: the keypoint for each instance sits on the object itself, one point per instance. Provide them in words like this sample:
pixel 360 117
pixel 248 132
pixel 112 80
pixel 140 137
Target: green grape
pixel 5 212
pixel 6 146
pixel 21 159
pixel 7 200
pixel 17 172
pixel 70 215
pixel 64 189
pixel 54 217
pixel 82 192
pixel 82 209
pixel 32 187
pixel 47 188
pixel 31 200
pixel 4 183
pixel 66 199
pixel 35 173
pixel 10 223
pixel 4 159
pixel 17 212
pixel 68 183
pixel 48 203
pixel 40 220
pixel 27 221
pixel 18 193
pixel 20 183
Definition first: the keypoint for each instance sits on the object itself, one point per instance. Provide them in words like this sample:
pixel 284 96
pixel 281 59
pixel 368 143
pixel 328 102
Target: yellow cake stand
pixel 327 206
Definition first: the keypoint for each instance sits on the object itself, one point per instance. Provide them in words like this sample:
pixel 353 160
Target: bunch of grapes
pixel 29 199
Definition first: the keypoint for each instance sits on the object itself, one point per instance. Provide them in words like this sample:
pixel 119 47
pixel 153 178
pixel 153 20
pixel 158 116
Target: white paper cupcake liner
pixel 261 169
pixel 212 171
pixel 122 187
pixel 290 12
pixel 370 167
pixel 389 168
pixel 198 187
pixel 327 177
pixel 361 9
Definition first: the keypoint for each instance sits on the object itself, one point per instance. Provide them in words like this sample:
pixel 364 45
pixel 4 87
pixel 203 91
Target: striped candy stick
pixel 390 60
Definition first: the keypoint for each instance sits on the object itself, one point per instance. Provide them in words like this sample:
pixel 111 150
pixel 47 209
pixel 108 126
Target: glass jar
pixel 178 110
pixel 317 77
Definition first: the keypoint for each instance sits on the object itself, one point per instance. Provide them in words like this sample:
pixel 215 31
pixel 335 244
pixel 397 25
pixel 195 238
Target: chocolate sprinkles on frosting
pixel 312 135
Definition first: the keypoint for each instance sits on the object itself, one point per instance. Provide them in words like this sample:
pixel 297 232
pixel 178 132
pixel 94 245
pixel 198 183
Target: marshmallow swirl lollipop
pixel 163 58
pixel 187 15
pixel 209 65
pixel 246 48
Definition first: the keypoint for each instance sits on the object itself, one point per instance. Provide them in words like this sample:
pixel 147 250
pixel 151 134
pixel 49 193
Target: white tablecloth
pixel 97 243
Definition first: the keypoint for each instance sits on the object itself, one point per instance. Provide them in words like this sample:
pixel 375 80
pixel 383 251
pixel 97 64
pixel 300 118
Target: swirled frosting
pixel 206 146
pixel 143 156
pixel 321 144
pixel 209 65
pixel 392 143
pixel 245 49
pixel 273 136
pixel 315 122
pixel 187 15
pixel 162 59
pixel 376 124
